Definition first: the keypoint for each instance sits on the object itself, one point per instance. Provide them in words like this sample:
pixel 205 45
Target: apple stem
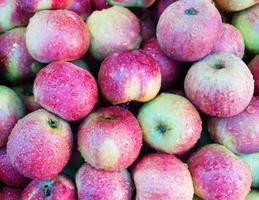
pixel 52 123
pixel 46 191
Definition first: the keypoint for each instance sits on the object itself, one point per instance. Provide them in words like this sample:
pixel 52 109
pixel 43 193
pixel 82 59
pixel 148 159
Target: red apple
pixel 40 145
pixel 218 174
pixel 12 109
pixel 110 139
pixel 129 76
pixel 12 15
pixel 254 67
pixel 94 184
pixel 239 133
pixel 66 90
pixel 162 176
pixel 231 41
pixel 148 26
pixel 187 30
pixel 213 85
pixel 58 188
pixel 16 64
pixel 64 36
pixel 7 193
pixel 8 174
pixel 168 67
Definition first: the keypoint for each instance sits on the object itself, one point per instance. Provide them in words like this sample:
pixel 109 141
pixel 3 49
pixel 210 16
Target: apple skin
pixel 12 15
pixel 16 64
pixel 8 174
pixel 235 5
pixel 162 176
pixel 218 174
pixel 238 133
pixel 81 7
pixel 8 193
pixel 60 187
pixel 160 6
pixel 39 142
pixel 173 128
pixel 100 4
pixel 110 139
pixel 12 109
pixel 247 23
pixel 66 90
pixel 254 68
pixel 94 184
pixel 113 29
pixel 253 161
pixel 37 5
pixel 65 38
pixel 253 195
pixel 231 41
pixel 132 3
pixel 187 30
pixel 124 77
pixel 214 87
pixel 168 67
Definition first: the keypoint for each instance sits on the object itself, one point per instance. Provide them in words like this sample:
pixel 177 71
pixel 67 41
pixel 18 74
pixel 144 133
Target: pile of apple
pixel 129 99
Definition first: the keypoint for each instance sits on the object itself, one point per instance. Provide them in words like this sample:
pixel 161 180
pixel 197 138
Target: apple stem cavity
pixel 52 123
pixel 162 129
pixel 191 11
pixel 218 66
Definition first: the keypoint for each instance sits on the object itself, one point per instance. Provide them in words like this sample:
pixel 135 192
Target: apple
pixel 12 15
pixel 254 67
pixel 40 145
pixel 129 76
pixel 16 64
pixel 26 94
pixel 162 176
pixel 214 87
pixel 66 90
pixel 218 174
pixel 238 133
pixel 12 109
pixel 7 193
pixel 235 5
pixel 111 30
pixel 94 184
pixel 110 139
pixel 187 30
pixel 231 41
pixel 170 123
pixel 59 187
pixel 100 4
pixel 64 37
pixel 247 23
pixel 253 161
pixel 168 67
pixel 132 3
pixel 253 195
pixel 8 174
